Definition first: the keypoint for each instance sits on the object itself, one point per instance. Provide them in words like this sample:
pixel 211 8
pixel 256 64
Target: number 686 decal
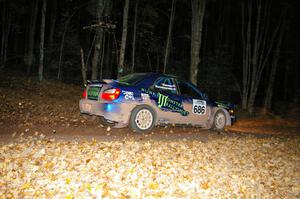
pixel 199 107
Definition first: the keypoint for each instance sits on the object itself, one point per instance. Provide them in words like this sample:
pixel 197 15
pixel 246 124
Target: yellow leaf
pixel 49 165
pixel 153 185
pixel 69 197
pixel 89 187
pixel 68 181
pixel 205 185
pixel 26 186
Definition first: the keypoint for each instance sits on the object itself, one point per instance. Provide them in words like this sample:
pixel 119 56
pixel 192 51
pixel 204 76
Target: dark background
pixel 220 70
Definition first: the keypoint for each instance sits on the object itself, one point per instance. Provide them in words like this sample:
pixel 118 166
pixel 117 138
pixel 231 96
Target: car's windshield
pixel 132 79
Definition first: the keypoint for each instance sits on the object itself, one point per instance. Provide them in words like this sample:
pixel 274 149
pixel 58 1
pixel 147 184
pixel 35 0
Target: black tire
pixel 219 122
pixel 142 119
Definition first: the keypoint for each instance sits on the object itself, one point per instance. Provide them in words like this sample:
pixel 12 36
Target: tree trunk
pixel 83 67
pixel 107 52
pixel 219 38
pixel 269 92
pixel 171 22
pixel 257 45
pixel 31 36
pixel 108 57
pixel 157 61
pixel 198 9
pixel 102 55
pixel 6 37
pixel 124 37
pixel 134 35
pixel 52 22
pixel 97 55
pixel 3 16
pixel 116 49
pixel 98 42
pixel 246 33
pixel 61 49
pixel 41 63
pixel 6 27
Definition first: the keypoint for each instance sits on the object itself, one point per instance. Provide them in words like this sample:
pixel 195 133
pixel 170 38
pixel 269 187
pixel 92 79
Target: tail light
pixel 84 94
pixel 111 94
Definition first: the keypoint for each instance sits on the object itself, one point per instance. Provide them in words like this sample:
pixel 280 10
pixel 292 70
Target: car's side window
pixel 165 85
pixel 187 90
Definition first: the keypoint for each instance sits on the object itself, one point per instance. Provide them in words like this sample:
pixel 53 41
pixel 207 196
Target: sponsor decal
pixel 144 96
pixel 166 87
pixel 199 107
pixel 164 102
pixel 128 95
pixel 93 93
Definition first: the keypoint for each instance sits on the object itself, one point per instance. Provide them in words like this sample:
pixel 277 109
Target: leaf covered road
pixel 228 167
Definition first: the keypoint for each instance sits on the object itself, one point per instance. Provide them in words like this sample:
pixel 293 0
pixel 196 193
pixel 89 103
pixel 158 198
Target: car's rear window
pixel 132 79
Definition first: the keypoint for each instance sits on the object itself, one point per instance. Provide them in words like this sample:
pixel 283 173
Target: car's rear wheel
pixel 142 119
pixel 219 122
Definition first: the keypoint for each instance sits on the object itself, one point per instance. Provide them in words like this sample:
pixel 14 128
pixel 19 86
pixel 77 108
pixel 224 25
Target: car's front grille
pixel 93 92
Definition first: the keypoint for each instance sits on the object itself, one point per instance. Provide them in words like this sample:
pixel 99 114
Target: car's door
pixel 195 102
pixel 168 102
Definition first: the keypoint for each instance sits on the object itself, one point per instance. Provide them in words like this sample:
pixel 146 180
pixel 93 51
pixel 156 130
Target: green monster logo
pixel 162 100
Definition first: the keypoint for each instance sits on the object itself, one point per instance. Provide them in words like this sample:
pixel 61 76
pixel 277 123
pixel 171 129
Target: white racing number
pixel 199 107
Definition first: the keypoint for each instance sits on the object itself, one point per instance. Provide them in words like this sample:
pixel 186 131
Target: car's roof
pixel 158 74
pixel 148 78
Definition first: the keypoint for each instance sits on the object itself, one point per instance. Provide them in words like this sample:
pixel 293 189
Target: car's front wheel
pixel 142 119
pixel 219 122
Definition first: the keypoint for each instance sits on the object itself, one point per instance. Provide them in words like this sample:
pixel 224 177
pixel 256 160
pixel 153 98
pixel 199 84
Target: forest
pixel 243 51
pixel 62 136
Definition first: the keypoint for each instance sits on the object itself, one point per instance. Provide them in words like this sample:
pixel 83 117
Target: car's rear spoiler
pixel 103 81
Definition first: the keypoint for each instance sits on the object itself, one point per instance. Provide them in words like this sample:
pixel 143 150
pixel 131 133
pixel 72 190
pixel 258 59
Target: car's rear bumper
pixel 111 111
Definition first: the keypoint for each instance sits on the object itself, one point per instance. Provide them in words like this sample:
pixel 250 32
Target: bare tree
pixel 102 54
pixel 257 45
pixel 198 9
pixel 134 35
pixel 124 37
pixel 31 37
pixel 83 67
pixel 62 45
pixel 269 91
pixel 52 22
pixel 41 63
pixel 171 22
pixel 6 18
pixel 98 40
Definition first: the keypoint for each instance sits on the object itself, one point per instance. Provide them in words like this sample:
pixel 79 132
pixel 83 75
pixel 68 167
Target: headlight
pixel 231 111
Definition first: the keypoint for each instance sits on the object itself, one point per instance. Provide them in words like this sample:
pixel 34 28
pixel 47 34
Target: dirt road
pixel 9 133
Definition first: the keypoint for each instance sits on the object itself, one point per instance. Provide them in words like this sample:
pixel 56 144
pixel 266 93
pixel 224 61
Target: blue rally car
pixel 144 100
